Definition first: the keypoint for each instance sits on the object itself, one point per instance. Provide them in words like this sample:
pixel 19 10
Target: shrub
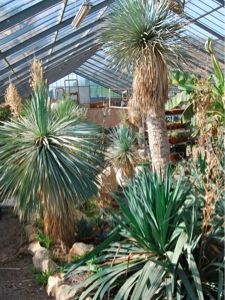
pixel 5 113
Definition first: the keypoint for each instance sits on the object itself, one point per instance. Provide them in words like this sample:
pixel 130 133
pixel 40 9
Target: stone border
pixel 42 262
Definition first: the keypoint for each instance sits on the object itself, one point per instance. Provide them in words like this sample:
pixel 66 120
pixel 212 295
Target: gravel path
pixel 16 278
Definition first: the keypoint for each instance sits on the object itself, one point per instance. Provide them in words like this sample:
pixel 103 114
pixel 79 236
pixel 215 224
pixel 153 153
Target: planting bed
pixel 16 278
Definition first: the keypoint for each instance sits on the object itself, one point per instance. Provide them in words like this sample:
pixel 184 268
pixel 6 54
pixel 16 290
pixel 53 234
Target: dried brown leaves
pixel 13 99
pixel 36 71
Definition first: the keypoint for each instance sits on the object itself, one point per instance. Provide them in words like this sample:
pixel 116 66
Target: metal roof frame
pixel 52 29
pixel 79 53
pixel 108 70
pixel 105 85
pixel 92 73
pixel 62 69
pixel 105 72
pixel 96 78
pixel 49 46
pixel 57 49
pixel 27 13
pixel 54 58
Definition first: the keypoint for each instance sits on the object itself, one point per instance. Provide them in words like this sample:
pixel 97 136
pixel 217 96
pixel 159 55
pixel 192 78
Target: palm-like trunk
pixel 150 92
pixel 158 140
pixel 58 228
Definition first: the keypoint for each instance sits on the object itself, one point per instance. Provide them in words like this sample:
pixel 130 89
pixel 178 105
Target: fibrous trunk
pixel 158 141
pixel 59 228
pixel 150 93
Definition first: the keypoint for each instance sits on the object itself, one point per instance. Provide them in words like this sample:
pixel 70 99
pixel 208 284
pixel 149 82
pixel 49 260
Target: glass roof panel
pixel 208 13
pixel 6 75
pixel 30 49
pixel 30 27
pixel 12 7
pixel 73 7
pixel 205 18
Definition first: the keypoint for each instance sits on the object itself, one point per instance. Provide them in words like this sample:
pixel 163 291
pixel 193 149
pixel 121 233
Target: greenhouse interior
pixel 112 149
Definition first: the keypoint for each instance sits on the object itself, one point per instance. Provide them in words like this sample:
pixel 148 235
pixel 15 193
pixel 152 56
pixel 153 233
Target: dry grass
pixel 213 180
pixel 13 99
pixel 36 71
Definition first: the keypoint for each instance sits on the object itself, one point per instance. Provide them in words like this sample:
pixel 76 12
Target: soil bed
pixel 16 278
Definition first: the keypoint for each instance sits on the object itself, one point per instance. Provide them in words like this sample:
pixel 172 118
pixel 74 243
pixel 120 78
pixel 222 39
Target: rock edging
pixel 42 261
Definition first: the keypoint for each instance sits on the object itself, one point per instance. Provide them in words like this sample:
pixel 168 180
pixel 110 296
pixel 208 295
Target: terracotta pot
pixel 173 140
pixel 174 157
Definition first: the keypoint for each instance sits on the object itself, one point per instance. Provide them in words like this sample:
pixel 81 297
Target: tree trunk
pixel 150 93
pixel 58 228
pixel 158 140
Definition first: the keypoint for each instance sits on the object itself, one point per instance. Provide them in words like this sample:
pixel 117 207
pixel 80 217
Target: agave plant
pixel 49 163
pixel 123 151
pixel 144 37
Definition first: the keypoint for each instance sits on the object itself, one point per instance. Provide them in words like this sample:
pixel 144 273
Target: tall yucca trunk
pixel 150 92
pixel 158 140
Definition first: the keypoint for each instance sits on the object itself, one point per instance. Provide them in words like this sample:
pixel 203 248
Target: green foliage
pixel 159 254
pixel 136 26
pixel 151 221
pixel 47 161
pixel 149 212
pixel 187 83
pixel 69 109
pixel 5 113
pixel 218 75
pixel 84 229
pixel 41 278
pixel 123 146
pixel 93 266
pixel 44 240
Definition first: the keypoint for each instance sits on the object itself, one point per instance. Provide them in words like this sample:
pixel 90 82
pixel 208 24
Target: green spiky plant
pixel 156 252
pixel 123 150
pixel 70 109
pixel 49 163
pixel 144 38
pixel 5 113
pixel 151 223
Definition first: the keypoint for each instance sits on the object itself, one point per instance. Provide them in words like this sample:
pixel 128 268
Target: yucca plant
pixel 144 38
pixel 36 71
pixel 123 151
pixel 5 113
pixel 158 250
pixel 70 109
pixel 151 225
pixel 49 163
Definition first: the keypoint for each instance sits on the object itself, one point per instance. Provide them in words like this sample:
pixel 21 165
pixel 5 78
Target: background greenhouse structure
pixel 42 29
